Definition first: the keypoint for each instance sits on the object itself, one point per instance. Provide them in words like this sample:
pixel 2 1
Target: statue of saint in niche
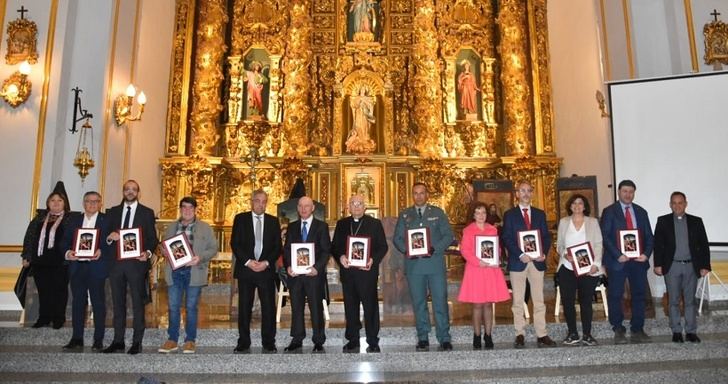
pixel 364 21
pixel 468 89
pixel 362 110
pixel 256 80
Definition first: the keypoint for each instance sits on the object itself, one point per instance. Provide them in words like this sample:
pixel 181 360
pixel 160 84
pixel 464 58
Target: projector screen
pixel 671 134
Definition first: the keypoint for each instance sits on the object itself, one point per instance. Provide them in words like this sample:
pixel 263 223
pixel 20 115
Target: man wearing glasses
pixel 359 284
pixel 87 275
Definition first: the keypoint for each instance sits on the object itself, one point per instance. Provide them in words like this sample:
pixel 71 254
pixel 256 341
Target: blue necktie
pixel 127 217
pixel 304 232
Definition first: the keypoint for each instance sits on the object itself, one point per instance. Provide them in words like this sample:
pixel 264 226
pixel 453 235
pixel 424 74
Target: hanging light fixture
pixel 84 159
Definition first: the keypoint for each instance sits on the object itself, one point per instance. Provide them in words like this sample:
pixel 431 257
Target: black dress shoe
pixel 58 324
pixel 241 350
pixel 318 348
pixel 545 342
pixel 115 347
pixel 351 348
pixel 488 341
pixel 74 345
pixel 677 337
pixel 520 342
pixel 445 347
pixel 41 324
pixel 269 349
pixel 422 346
pixel 98 346
pixel 477 343
pixel 693 338
pixel 293 348
pixel 135 349
pixel 373 349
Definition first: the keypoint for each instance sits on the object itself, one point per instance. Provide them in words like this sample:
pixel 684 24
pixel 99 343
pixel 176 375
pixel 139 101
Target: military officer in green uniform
pixel 426 270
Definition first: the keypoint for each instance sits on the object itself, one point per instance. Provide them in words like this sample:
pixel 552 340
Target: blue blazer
pixel 612 222
pixel 100 267
pixel 512 224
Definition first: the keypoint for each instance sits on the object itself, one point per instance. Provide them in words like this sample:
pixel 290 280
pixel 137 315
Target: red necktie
pixel 628 218
pixel 526 218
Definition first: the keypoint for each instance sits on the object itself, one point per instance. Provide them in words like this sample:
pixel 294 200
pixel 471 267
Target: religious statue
pixel 256 82
pixel 363 185
pixel 362 109
pixel 468 88
pixel 363 20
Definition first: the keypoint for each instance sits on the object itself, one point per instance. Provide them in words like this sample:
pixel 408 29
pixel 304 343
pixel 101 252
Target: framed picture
pixel 498 194
pixel 130 243
pixel 630 243
pixel 303 256
pixel 530 243
pixel 582 257
pixel 86 242
pixel 418 242
pixel 178 250
pixel 583 185
pixel 358 250
pixel 487 249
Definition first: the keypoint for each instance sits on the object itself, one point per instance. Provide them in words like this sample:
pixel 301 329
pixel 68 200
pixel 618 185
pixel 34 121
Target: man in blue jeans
pixel 187 280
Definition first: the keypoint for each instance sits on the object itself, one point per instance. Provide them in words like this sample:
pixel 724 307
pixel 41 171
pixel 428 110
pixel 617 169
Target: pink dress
pixel 480 284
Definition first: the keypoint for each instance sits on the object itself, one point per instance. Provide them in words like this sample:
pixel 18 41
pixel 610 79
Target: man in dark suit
pixel 359 284
pixel 130 214
pixel 87 275
pixel 682 255
pixel 622 215
pixel 427 273
pixel 256 245
pixel 307 287
pixel 523 267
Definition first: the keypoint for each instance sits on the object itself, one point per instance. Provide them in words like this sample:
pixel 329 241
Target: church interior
pixel 216 99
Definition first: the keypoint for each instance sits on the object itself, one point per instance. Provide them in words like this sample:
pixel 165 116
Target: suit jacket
pixel 204 246
pixel 697 242
pixel 144 218
pixel 100 267
pixel 317 234
pixel 378 244
pixel 441 237
pixel 512 224
pixel 242 242
pixel 593 236
pixel 612 222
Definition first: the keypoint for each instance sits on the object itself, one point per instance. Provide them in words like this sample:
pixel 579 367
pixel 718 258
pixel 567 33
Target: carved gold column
pixel 208 75
pixel 298 82
pixel 543 111
pixel 514 77
pixel 179 78
pixel 428 109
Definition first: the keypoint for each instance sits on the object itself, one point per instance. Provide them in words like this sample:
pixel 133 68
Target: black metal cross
pixel 715 14
pixel 22 11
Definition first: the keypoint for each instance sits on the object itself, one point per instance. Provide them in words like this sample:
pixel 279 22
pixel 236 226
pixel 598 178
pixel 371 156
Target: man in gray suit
pixel 427 271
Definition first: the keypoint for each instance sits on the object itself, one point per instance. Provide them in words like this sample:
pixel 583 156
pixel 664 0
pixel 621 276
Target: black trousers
pixel 361 288
pixel 302 289
pixel 52 283
pixel 131 273
pixel 568 285
pixel 83 285
pixel 264 282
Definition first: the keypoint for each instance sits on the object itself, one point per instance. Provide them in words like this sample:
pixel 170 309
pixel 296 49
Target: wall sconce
pixel 124 103
pixel 16 89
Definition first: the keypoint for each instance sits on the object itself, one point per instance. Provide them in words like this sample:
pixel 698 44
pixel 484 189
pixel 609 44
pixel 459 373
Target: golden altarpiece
pixel 356 96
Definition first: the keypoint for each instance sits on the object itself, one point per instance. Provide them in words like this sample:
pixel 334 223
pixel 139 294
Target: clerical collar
pixel 679 217
pixel 356 219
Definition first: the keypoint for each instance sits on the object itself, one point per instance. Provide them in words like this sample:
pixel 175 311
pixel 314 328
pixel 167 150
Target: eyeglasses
pixel 357 204
pixel 91 201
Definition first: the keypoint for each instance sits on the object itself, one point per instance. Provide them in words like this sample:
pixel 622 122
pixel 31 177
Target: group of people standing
pixel 680 248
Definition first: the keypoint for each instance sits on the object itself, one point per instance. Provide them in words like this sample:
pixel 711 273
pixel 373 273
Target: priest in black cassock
pixel 359 284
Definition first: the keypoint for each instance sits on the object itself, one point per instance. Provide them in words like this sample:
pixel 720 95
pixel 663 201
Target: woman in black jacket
pixel 43 251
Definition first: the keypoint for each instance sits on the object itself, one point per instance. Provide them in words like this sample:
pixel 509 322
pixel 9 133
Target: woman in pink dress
pixel 483 283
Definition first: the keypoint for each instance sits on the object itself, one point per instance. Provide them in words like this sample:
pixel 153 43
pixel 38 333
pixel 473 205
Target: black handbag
pixel 21 285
